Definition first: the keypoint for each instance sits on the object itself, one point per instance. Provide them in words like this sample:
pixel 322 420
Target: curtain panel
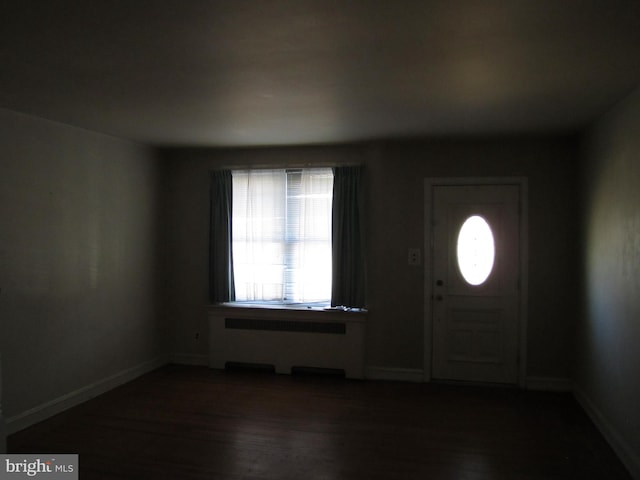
pixel 221 283
pixel 348 280
pixel 259 233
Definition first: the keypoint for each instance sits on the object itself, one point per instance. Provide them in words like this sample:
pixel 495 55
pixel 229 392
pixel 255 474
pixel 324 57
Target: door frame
pixel 522 184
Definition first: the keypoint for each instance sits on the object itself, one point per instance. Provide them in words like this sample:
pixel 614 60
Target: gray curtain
pixel 221 286
pixel 348 282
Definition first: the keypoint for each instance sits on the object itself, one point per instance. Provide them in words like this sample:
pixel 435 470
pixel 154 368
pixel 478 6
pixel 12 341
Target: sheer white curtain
pixel 258 223
pixel 281 226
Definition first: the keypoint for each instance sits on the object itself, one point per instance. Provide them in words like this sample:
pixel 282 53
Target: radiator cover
pixel 287 338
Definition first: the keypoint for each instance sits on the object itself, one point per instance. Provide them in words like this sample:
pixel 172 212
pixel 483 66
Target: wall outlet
pixel 414 257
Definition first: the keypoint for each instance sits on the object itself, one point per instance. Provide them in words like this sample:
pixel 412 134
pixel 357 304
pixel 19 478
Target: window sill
pixel 294 311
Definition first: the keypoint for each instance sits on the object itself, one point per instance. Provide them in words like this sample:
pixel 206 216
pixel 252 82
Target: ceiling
pixel 274 72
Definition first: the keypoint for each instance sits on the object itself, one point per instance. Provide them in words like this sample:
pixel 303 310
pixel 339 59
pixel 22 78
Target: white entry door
pixel 475 291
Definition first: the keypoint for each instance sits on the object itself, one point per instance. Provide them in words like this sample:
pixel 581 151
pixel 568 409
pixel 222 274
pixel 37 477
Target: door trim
pixel 522 183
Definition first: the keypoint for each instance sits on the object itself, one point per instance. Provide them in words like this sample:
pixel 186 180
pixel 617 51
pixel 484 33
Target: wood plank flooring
pixel 196 423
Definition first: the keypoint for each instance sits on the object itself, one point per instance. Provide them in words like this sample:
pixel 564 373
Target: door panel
pixel 475 327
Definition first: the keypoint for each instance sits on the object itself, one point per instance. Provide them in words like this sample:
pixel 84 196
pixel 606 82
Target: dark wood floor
pixel 196 423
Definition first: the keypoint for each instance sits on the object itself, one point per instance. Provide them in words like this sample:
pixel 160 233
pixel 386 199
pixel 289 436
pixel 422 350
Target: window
pixel 314 255
pixel 476 250
pixel 281 235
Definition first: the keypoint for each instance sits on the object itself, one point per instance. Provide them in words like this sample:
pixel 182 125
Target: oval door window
pixel 476 250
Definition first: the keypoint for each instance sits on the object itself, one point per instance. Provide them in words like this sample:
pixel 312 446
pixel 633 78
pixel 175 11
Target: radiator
pixel 287 338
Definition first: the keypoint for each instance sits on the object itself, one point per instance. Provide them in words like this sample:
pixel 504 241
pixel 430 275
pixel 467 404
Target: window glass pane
pixel 475 250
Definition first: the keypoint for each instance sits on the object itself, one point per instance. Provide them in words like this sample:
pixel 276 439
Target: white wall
pixel 3 432
pixel 607 371
pixel 78 216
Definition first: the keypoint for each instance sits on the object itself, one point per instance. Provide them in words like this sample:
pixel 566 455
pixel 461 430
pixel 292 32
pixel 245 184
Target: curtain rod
pixel 287 165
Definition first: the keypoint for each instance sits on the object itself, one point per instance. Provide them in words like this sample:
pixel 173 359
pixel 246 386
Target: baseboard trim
pixel 627 455
pixel 189 359
pixel 545 384
pixel 48 409
pixel 395 374
pixel 549 384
